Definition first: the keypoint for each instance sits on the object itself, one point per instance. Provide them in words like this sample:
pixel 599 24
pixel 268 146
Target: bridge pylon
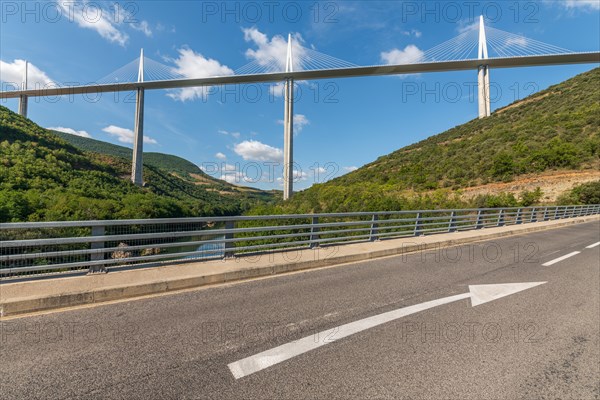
pixel 483 77
pixel 288 127
pixel 23 98
pixel 137 167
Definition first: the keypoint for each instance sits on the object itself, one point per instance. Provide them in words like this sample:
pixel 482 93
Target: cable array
pixel 304 59
pixel 126 74
pixel 153 71
pixel 506 44
pixel 462 47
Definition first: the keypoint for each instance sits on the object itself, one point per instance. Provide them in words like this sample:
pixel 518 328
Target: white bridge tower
pixel 483 78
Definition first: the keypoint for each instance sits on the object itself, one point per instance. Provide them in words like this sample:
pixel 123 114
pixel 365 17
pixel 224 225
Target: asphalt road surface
pixel 539 343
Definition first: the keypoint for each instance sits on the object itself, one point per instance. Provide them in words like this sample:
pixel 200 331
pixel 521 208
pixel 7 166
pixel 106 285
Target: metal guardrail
pixel 56 247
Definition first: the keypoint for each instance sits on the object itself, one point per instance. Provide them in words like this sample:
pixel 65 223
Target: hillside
pixel 43 177
pixel 555 130
pixel 170 163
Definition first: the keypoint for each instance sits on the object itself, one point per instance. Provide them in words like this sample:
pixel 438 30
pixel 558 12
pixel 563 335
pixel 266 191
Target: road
pixel 539 343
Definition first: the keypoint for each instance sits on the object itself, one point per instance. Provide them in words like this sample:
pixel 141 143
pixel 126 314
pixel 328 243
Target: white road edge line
pixel 591 246
pixel 559 259
pixel 479 294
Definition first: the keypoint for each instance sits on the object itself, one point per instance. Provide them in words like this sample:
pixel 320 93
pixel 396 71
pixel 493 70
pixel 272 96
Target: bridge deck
pixel 380 70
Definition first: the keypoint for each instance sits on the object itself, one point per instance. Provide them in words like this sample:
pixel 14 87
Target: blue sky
pixel 236 133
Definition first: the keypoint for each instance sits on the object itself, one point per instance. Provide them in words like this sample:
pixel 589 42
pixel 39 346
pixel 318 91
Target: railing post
pixel 418 231
pixel 546 216
pixel 374 235
pixel 452 223
pixel 533 217
pixel 556 213
pixel 519 219
pixel 97 256
pixel 501 218
pixel 314 233
pixel 565 212
pixel 479 223
pixel 229 246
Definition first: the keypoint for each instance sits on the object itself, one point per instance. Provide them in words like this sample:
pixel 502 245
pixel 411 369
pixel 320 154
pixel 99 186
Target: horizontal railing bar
pixel 163 221
pixel 213 232
pixel 459 220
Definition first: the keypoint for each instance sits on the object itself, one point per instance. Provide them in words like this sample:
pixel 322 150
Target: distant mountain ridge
pixel 168 162
pixel 44 177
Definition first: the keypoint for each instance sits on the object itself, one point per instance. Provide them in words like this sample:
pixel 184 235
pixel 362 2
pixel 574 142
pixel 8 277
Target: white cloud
pixel 300 121
pixel 143 27
pixel 585 4
pixel 71 131
pixel 467 25
pixel 232 174
pixel 221 156
pixel 299 176
pixel 350 169
pixel 410 54
pixel 516 41
pixel 413 32
pixel 256 151
pixel 92 16
pixel 13 73
pixel 274 50
pixel 232 134
pixel 233 178
pixel 277 89
pixel 194 65
pixel 125 135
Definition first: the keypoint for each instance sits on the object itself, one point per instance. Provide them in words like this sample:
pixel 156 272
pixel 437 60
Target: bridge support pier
pixel 483 86
pixel 288 140
pixel 137 166
pixel 23 100
pixel 483 77
pixel 288 128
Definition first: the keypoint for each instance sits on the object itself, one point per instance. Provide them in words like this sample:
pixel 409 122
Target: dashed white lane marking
pixel 591 246
pixel 559 259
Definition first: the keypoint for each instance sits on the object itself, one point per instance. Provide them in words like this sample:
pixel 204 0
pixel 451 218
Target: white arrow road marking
pixel 478 294
pixel 483 293
pixel 591 246
pixel 559 259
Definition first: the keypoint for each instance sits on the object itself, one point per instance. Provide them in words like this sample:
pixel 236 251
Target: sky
pixel 236 132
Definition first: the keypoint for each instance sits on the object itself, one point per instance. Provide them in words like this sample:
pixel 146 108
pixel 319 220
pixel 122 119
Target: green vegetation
pixel 42 177
pixel 167 162
pixel 587 193
pixel 558 128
